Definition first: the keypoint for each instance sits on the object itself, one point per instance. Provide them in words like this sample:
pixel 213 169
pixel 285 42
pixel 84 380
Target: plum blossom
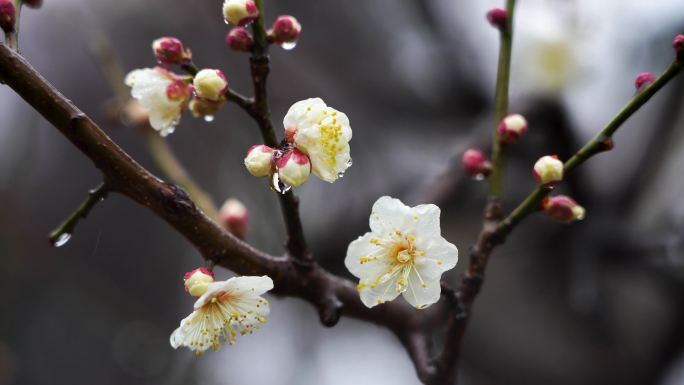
pixel 323 134
pixel 403 253
pixel 225 309
pixel 163 93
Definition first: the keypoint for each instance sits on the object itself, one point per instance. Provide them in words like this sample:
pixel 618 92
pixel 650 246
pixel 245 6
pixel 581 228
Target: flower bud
pixel 33 3
pixel 476 164
pixel 239 39
pixel 8 15
pixel 203 107
pixel 259 160
pixel 196 281
pixel 169 51
pixel 210 84
pixel 562 209
pixel 512 128
pixel 548 171
pixel 286 29
pixel 240 12
pixel 294 168
pixel 643 80
pixel 498 18
pixel 234 217
pixel 678 45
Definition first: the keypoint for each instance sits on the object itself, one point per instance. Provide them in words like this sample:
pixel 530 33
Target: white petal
pixel 389 215
pixel 382 292
pixel 429 269
pixel 363 248
pixel 440 250
pixel 237 287
pixel 299 111
pixel 419 296
pixel 179 336
pixel 426 220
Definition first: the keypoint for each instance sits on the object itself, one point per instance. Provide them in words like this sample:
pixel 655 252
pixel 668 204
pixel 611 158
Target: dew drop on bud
pixel 278 186
pixel 62 240
pixel 288 46
pixel 479 177
pixel 208 118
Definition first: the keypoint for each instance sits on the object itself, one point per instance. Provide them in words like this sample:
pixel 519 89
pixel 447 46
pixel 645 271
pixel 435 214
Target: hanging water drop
pixel 208 118
pixel 277 185
pixel 62 240
pixel 479 177
pixel 288 46
pixel 350 162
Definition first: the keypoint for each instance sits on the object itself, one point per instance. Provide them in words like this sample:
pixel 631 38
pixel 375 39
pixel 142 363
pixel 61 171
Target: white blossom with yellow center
pixel 162 93
pixel 403 254
pixel 323 134
pixel 226 309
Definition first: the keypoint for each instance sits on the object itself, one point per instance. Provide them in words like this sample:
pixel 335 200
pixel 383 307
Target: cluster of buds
pixel 169 51
pixel 241 13
pixel 511 129
pixel 8 15
pixel 548 171
pixel 291 166
pixel 197 281
pixel 562 209
pixel 285 31
pixel 234 216
pixel 476 164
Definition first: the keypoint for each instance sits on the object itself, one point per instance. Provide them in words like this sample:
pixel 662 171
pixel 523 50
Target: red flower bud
pixel 476 164
pixel 235 217
pixel 498 18
pixel 285 31
pixel 643 80
pixel 169 51
pixel 678 45
pixel 239 39
pixel 562 209
pixel 512 128
pixel 8 15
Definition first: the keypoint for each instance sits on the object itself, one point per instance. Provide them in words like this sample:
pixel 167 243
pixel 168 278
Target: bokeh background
pixel 598 302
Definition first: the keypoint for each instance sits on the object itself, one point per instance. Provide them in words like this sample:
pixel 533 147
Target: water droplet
pixel 62 240
pixel 479 177
pixel 340 174
pixel 277 185
pixel 350 162
pixel 288 46
pixel 208 118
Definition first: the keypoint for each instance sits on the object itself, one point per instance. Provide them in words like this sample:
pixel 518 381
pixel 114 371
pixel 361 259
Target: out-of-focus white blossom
pixel 404 253
pixel 163 93
pixel 224 310
pixel 323 134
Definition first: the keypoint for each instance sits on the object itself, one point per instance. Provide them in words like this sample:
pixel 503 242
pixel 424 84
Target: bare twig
pixel 62 233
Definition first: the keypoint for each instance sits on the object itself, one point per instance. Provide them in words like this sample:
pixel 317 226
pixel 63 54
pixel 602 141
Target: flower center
pixel 403 256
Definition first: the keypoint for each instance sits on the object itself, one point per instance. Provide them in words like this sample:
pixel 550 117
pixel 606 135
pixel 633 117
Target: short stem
pixel 67 227
pixel 190 68
pixel 501 103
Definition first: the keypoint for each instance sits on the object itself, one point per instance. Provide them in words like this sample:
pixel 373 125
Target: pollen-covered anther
pixel 259 160
pixel 548 171
pixel 512 128
pixel 240 13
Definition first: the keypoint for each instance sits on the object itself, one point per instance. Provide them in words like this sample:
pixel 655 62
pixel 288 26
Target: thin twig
pixel 66 229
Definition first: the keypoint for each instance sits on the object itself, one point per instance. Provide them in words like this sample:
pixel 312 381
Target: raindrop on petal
pixel 62 240
pixel 277 185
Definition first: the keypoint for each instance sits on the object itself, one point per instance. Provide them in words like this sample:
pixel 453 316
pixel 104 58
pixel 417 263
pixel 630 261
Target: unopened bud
pixel 170 51
pixel 563 209
pixel 196 281
pixel 643 80
pixel 294 168
pixel 239 39
pixel 678 45
pixel 33 3
pixel 498 18
pixel 203 107
pixel 476 164
pixel 234 217
pixel 286 29
pixel 8 15
pixel 512 128
pixel 240 12
pixel 548 171
pixel 210 84
pixel 259 160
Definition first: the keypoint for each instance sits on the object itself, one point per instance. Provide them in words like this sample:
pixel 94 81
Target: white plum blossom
pixel 323 134
pixel 161 92
pixel 224 310
pixel 403 253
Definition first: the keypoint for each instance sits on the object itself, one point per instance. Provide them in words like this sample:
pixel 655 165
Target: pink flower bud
pixel 294 168
pixel 240 13
pixel 562 209
pixel 286 29
pixel 239 39
pixel 259 160
pixel 169 51
pixel 234 217
pixel 210 84
pixel 33 3
pixel 196 281
pixel 498 18
pixel 476 164
pixel 643 80
pixel 678 45
pixel 548 171
pixel 8 15
pixel 203 107
pixel 512 128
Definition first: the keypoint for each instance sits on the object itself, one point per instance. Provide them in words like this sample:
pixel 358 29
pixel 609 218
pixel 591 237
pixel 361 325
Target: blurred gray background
pixel 598 302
